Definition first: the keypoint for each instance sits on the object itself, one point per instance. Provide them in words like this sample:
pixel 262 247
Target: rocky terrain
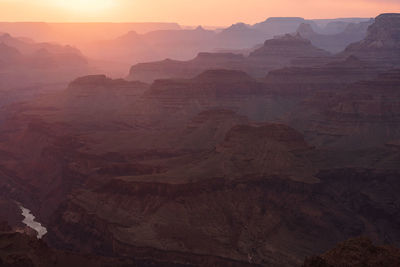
pixel 214 167
pixel 381 45
pixel 21 250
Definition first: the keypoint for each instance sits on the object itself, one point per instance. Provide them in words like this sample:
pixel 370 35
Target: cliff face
pixel 267 221
pixel 203 171
pixel 177 172
pixel 382 42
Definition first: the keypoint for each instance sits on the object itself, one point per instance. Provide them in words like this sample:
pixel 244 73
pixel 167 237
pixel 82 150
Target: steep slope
pixel 382 42
pixel 170 172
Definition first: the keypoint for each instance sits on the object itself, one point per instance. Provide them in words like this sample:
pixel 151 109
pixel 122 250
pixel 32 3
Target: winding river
pixel 30 222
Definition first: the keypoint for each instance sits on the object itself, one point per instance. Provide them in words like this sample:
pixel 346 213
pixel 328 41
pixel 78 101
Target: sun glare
pixel 84 6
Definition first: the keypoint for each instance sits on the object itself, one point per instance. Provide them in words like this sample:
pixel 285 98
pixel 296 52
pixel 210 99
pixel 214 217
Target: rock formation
pixel 382 42
pixel 274 54
pixel 216 169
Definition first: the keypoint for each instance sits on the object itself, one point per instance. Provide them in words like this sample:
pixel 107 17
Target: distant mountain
pixel 240 35
pixel 275 53
pixel 40 55
pixel 285 51
pixel 79 32
pixel 278 26
pixel 135 46
pixel 339 41
pixel 29 66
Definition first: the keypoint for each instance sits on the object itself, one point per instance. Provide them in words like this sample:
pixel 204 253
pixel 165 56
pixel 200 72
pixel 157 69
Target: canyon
pixel 263 159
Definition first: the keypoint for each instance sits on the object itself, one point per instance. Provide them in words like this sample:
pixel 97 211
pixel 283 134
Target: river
pixel 30 222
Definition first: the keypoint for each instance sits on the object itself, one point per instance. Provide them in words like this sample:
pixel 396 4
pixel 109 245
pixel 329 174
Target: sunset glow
pixel 83 6
pixel 206 12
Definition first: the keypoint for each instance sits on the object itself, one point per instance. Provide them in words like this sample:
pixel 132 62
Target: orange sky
pixel 188 12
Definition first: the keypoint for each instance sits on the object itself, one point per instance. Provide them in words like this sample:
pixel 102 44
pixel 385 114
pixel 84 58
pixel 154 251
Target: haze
pixel 207 12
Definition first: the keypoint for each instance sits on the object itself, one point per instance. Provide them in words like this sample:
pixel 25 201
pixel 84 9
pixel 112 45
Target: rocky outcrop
pixel 290 46
pixel 284 51
pixel 259 220
pixel 356 252
pixel 382 43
